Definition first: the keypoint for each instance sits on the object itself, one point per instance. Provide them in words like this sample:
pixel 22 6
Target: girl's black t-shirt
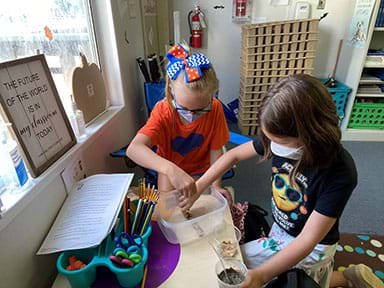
pixel 324 190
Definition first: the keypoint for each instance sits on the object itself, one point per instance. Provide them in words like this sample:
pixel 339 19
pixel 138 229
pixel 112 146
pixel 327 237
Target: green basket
pixel 367 116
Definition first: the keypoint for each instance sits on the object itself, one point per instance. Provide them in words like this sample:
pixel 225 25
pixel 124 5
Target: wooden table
pixel 196 265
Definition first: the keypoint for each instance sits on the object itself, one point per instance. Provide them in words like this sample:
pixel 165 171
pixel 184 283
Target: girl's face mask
pixel 190 115
pixel 286 152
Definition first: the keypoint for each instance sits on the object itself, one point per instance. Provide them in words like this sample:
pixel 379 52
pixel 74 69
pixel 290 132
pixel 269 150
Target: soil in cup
pixel 234 276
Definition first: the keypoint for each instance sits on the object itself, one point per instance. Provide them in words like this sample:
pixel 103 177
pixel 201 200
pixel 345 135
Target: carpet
pixel 359 248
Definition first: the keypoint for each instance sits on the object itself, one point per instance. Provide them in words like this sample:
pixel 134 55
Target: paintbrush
pixel 229 281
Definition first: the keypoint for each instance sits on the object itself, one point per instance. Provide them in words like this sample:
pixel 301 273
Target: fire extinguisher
pixel 196 24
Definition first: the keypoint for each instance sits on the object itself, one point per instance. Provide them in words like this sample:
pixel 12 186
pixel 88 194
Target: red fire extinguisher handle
pixel 190 26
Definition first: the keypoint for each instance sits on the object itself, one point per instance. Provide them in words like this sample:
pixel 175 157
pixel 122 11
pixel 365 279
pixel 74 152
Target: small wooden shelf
pixel 370 80
pixel 350 134
pixel 373 65
pixel 353 73
pixel 370 95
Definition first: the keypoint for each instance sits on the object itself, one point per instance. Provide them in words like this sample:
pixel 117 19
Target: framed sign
pixel 30 101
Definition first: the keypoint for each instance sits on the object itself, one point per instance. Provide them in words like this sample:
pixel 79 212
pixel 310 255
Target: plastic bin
pixel 339 95
pixel 207 213
pixel 367 116
pixel 99 256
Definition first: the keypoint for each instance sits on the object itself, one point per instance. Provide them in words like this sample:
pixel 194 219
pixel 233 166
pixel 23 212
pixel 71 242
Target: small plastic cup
pixel 226 240
pixel 235 271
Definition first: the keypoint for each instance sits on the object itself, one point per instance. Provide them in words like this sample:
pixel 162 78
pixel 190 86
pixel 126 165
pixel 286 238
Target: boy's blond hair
pixel 208 83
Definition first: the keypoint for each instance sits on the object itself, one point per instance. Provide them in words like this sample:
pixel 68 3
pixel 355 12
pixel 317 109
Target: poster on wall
pixel 30 102
pixel 358 29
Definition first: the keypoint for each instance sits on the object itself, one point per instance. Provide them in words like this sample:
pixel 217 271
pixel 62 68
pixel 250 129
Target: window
pixel 60 29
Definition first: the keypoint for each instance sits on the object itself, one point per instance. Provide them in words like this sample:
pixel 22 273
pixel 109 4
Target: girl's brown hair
pixel 300 106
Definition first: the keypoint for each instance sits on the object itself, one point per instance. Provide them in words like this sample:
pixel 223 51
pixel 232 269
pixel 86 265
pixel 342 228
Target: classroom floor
pixel 361 248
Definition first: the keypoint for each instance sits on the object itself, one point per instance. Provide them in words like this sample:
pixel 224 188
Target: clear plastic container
pixel 226 240
pixel 207 213
pixel 236 271
pixel 13 172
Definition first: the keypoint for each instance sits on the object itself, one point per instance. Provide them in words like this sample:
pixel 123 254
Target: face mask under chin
pixel 286 152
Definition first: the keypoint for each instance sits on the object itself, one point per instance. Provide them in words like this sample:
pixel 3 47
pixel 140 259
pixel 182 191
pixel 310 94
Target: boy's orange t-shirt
pixel 186 145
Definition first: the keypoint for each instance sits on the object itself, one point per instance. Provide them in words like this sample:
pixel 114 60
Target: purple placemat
pixel 162 261
pixel 163 258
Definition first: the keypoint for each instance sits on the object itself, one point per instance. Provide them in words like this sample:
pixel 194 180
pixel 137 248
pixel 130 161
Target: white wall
pixel 222 38
pixel 22 237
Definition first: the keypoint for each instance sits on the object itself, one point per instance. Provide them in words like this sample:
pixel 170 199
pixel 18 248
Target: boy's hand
pixel 185 203
pixel 182 181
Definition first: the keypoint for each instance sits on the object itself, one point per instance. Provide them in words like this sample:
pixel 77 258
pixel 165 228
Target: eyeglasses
pixel 178 107
pixel 291 193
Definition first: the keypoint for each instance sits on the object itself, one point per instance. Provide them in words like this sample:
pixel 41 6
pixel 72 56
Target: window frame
pixel 107 52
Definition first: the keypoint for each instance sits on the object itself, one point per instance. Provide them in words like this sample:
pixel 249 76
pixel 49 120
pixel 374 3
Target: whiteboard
pixel 30 101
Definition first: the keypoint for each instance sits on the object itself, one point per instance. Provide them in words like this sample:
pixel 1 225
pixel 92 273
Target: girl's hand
pixel 182 181
pixel 225 193
pixel 253 279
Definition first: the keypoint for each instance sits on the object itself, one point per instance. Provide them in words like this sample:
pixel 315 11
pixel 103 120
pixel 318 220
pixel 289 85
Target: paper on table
pixel 88 214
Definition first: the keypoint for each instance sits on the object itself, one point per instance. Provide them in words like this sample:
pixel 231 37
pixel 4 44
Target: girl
pixel 188 126
pixel 313 177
